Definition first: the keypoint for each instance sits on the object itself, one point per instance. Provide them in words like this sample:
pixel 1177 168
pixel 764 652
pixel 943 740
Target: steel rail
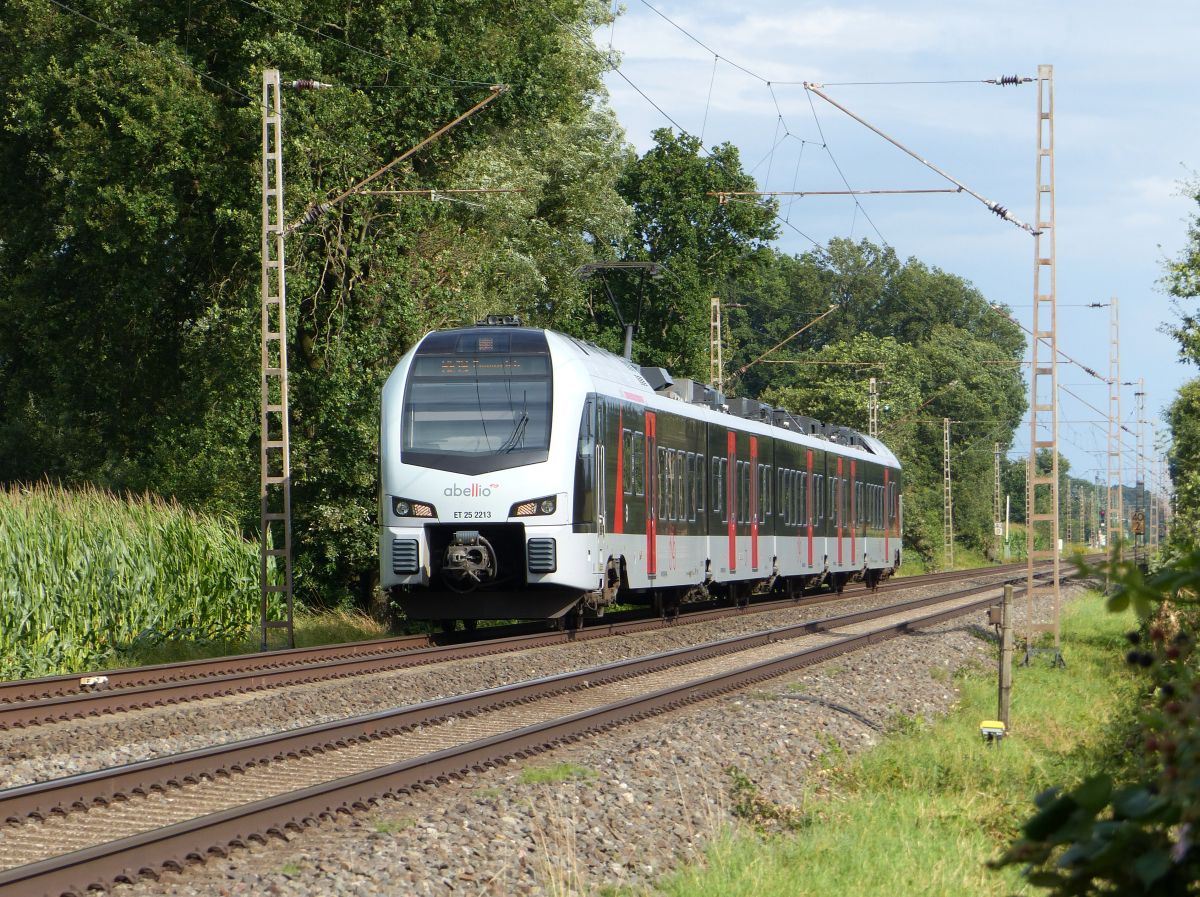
pixel 139 688
pixel 130 857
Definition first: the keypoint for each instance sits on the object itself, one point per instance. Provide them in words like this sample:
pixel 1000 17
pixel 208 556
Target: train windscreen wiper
pixel 517 436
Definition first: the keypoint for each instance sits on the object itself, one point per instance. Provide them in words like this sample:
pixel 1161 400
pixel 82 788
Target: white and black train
pixel 527 474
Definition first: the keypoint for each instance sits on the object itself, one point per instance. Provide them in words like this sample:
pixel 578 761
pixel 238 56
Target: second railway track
pixel 53 699
pixel 186 805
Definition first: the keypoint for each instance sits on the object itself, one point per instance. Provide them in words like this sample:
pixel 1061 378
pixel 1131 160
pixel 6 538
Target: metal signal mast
pixel 1042 488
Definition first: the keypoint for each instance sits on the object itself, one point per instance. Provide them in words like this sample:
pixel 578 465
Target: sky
pixel 1127 136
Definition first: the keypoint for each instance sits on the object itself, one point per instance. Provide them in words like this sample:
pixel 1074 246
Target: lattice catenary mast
pixel 275 477
pixel 947 499
pixel 716 360
pixel 1042 489
pixel 1115 505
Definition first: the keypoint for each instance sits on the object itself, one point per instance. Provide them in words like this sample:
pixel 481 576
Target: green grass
pixel 923 812
pixel 331 627
pixel 85 574
pixel 393 826
pixel 559 772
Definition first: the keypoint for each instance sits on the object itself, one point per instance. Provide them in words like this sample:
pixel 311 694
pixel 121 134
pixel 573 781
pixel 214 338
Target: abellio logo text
pixel 471 489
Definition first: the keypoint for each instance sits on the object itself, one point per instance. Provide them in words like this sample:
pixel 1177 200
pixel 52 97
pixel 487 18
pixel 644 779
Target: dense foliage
pixel 129 235
pixel 1183 282
pixel 129 254
pixel 1135 833
pixel 935 346
pixel 84 573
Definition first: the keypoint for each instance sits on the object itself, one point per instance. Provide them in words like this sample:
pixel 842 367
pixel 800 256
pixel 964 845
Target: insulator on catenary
pixel 999 209
pixel 306 84
pixel 313 214
pixel 1008 80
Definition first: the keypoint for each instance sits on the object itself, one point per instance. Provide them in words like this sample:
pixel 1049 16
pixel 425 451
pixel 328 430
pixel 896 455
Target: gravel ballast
pixel 619 809
pixel 74 746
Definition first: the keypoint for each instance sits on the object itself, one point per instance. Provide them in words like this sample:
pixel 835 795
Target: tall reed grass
pixel 85 574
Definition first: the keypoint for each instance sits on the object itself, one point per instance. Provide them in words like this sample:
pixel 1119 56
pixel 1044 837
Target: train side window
pixel 787 487
pixel 781 489
pixel 699 482
pixel 627 485
pixel 681 485
pixel 819 492
pixel 802 499
pixel 764 491
pixel 688 509
pixel 718 486
pixel 664 483
pixel 735 509
pixel 689 490
pixel 683 474
pixel 638 454
pixel 744 494
pixel 670 477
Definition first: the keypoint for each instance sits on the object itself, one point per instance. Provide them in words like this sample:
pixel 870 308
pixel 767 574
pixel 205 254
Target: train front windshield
pixel 478 401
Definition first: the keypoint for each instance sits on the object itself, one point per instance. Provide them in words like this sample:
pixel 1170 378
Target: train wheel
pixel 448 626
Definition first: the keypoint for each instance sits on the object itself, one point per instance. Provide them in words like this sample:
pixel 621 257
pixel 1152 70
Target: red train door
pixel 652 497
pixel 731 497
pixel 618 523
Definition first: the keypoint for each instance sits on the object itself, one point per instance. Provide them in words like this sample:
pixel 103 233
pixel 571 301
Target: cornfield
pixel 84 573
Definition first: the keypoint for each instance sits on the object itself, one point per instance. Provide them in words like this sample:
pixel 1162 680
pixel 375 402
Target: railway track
pixel 35 702
pixel 60 833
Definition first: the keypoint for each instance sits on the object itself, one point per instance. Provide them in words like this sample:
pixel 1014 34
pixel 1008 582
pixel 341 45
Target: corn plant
pixel 85 573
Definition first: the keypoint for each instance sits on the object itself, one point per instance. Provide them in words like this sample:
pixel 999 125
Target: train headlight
pixel 406 507
pixel 534 507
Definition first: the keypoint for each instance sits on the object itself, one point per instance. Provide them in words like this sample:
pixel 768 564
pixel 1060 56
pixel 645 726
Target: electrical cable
pixel 841 174
pixel 708 103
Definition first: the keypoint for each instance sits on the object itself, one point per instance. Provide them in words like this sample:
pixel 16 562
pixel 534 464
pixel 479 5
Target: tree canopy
pixel 129 253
